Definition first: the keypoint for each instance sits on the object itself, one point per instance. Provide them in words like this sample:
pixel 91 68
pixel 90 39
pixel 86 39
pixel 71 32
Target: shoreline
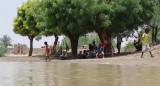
pixel 129 59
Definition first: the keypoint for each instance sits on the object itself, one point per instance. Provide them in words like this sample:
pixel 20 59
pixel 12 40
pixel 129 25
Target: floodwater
pixel 74 74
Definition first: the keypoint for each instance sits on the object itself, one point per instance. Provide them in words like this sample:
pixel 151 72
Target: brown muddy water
pixel 74 74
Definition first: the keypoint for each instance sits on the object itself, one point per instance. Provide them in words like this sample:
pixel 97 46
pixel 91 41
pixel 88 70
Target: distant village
pixel 23 49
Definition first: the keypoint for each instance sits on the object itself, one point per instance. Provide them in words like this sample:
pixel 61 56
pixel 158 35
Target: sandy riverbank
pixel 127 59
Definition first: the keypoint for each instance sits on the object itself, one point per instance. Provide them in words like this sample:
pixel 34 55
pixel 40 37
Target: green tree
pixel 129 47
pixel 75 18
pixel 45 26
pixel 155 22
pixel 25 23
pixel 6 41
pixel 3 49
pixel 38 38
pixel 123 15
pixel 69 17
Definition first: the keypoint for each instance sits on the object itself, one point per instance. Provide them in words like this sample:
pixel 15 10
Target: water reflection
pixel 64 74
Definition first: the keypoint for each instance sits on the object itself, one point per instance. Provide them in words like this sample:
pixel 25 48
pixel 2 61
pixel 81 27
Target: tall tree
pixel 110 16
pixel 155 22
pixel 25 23
pixel 46 28
pixel 74 18
pixel 69 17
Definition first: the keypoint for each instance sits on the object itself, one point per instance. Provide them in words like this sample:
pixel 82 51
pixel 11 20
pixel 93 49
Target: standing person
pixel 105 47
pixel 90 49
pixel 47 51
pixel 119 41
pixel 94 48
pixel 145 44
pixel 94 45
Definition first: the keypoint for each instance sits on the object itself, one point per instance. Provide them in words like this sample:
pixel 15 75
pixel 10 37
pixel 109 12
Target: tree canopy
pixel 75 18
pixel 6 41
pixel 25 23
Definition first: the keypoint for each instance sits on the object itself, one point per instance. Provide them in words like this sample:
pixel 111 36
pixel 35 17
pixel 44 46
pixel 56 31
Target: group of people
pixel 94 51
pixel 101 50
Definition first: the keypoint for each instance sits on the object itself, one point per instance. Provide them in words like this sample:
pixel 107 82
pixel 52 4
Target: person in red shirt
pixel 47 51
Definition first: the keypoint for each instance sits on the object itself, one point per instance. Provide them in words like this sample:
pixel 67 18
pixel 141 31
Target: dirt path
pixel 126 59
pixel 18 58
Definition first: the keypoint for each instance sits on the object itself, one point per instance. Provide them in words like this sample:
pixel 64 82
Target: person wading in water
pixel 47 51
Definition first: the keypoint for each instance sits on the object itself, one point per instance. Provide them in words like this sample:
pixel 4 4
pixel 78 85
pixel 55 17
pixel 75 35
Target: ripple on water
pixel 75 74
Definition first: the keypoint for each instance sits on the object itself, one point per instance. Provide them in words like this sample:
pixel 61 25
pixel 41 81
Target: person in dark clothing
pixel 119 41
pixel 80 55
pixel 85 54
pixel 94 45
pixel 90 47
pixel 138 45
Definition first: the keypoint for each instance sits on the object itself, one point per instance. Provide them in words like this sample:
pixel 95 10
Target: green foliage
pixel 155 22
pixel 6 40
pixel 66 16
pixel 158 36
pixel 129 14
pixel 75 18
pixel 25 22
pixel 3 50
pixel 129 47
pixel 64 42
pixel 38 38
pixel 84 40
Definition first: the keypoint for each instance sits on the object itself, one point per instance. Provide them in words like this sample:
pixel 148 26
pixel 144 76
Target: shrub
pixel 129 46
pixel 3 50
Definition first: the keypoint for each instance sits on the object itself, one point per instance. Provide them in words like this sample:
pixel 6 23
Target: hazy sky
pixel 8 11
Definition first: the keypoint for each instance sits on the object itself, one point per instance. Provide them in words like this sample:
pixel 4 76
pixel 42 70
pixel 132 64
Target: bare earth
pixel 127 59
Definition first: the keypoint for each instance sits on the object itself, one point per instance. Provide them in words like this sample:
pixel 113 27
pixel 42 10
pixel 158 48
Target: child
pixel 100 54
pixel 64 55
pixel 47 51
pixel 145 45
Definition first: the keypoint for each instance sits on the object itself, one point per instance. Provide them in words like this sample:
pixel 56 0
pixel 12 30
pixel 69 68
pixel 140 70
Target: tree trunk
pixel 153 35
pixel 100 36
pixel 55 43
pixel 31 45
pixel 156 32
pixel 109 35
pixel 104 35
pixel 74 45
